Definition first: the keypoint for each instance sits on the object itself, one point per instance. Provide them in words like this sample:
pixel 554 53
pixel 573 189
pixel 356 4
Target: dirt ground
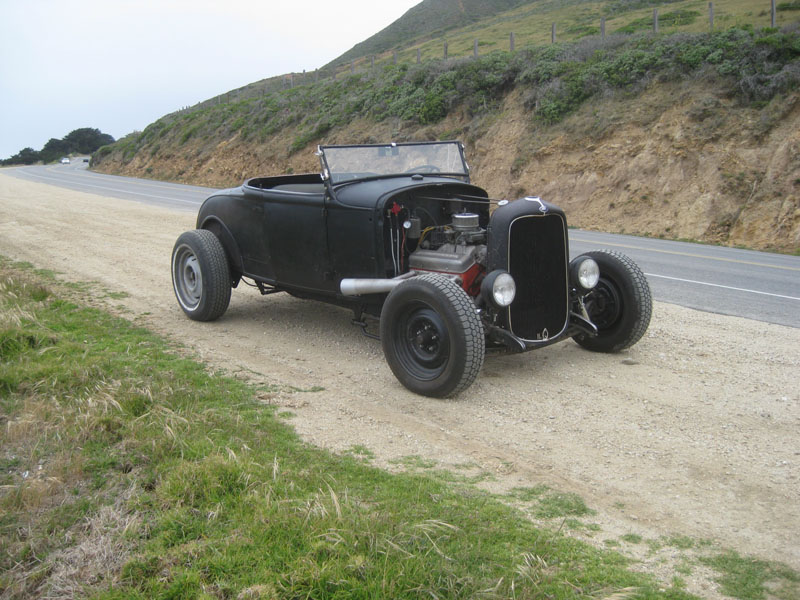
pixel 693 432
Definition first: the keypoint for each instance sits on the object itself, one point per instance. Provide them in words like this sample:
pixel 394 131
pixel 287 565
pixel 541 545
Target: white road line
pixel 727 287
pixel 109 189
pixel 689 254
pixel 141 182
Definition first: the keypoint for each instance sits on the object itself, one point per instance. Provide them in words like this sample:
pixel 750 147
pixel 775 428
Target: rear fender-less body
pixel 279 224
pixel 290 232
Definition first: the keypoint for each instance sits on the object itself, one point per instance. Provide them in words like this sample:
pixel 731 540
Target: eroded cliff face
pixel 674 162
pixel 678 161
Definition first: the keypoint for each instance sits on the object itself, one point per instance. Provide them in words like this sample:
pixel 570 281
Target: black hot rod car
pixel 396 231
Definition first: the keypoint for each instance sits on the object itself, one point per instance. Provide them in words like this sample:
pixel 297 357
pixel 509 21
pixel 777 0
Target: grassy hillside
pixel 748 66
pixel 427 20
pixel 428 25
pixel 736 86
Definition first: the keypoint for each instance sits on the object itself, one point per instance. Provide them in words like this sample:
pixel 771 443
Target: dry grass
pixel 98 549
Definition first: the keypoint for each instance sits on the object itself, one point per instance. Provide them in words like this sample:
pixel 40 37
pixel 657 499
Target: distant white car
pixel 65 161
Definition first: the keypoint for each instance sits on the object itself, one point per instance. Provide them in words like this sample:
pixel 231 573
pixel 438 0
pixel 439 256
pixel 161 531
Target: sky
pixel 118 65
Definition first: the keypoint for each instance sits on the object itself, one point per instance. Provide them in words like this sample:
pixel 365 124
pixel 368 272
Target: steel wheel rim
pixel 423 343
pixel 188 278
pixel 604 304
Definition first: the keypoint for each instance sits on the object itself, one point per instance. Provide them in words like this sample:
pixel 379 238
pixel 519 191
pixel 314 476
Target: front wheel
pixel 432 336
pixel 620 305
pixel 201 276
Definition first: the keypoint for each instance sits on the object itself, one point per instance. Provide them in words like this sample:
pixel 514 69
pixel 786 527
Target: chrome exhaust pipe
pixel 360 287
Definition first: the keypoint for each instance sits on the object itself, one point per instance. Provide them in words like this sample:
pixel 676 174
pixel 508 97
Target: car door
pixel 294 225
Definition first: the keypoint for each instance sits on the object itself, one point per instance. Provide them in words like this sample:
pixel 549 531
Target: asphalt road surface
pixel 730 281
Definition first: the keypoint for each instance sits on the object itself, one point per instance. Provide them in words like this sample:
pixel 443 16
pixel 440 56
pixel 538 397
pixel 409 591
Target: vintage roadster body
pixel 396 231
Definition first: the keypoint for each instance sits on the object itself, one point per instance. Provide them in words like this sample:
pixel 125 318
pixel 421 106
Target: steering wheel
pixel 424 169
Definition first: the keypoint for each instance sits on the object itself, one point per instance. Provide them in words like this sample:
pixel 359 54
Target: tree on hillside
pixel 26 156
pixel 86 140
pixel 53 150
pixel 80 141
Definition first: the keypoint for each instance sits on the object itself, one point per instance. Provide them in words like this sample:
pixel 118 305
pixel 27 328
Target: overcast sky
pixel 118 65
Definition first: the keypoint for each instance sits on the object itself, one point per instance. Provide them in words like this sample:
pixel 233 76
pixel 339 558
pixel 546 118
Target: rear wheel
pixel 201 276
pixel 620 305
pixel 432 337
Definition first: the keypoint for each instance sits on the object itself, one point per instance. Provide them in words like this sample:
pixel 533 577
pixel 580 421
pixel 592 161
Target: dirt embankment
pixel 677 161
pixel 693 432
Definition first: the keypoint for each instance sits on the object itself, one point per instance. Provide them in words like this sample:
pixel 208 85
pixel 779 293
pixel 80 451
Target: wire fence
pixel 368 63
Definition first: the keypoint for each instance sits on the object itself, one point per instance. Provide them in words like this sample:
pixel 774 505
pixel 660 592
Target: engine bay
pixel 438 233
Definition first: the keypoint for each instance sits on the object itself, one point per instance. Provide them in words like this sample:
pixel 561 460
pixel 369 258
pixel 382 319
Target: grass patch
pixel 414 462
pixel 131 472
pixel 752 579
pixel 549 504
pixel 361 452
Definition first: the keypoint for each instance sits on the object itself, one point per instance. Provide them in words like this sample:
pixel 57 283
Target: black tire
pixel 432 336
pixel 201 276
pixel 620 305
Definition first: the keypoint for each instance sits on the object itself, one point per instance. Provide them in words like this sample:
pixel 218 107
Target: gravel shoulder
pixel 693 432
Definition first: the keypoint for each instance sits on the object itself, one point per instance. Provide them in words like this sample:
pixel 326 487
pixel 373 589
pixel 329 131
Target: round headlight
pixel 504 289
pixel 587 273
pixel 498 288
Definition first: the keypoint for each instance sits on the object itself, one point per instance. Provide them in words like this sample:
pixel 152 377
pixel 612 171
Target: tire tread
pixel 464 309
pixel 216 273
pixel 643 304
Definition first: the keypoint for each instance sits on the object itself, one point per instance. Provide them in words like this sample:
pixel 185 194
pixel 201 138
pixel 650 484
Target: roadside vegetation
pixel 131 471
pixel 427 26
pixel 554 80
pixel 80 141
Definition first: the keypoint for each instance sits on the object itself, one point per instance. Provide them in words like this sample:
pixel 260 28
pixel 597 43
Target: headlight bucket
pixel 584 273
pixel 498 288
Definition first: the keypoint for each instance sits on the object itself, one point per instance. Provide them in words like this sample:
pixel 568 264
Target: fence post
pixel 353 66
pixel 711 16
pixel 553 34
pixel 475 48
pixel 394 58
pixel 772 13
pixel 511 41
pixel 602 28
pixel 445 50
pixel 655 20
pixel 419 56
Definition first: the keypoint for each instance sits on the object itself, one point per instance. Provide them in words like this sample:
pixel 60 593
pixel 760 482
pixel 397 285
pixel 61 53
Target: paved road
pixel 75 176
pixel 745 283
pixel 730 281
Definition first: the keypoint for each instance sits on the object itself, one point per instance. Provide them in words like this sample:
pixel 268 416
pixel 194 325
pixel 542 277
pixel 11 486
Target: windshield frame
pixel 333 167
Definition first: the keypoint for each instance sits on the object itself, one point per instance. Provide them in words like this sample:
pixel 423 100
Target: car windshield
pixel 345 163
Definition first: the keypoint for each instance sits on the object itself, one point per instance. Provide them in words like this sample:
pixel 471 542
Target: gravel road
pixel 692 432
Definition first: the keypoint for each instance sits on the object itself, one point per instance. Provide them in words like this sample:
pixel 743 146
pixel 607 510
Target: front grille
pixel 537 260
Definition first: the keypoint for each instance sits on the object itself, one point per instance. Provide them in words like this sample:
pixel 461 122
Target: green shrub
pixel 554 81
pixel 675 18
